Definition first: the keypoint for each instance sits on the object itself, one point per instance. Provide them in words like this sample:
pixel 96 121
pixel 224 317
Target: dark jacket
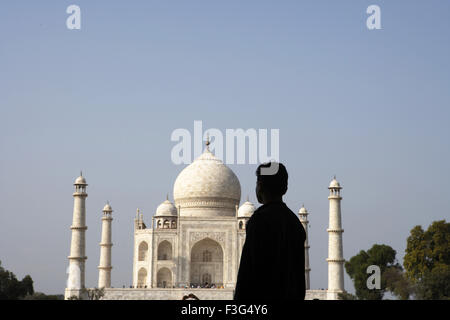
pixel 273 257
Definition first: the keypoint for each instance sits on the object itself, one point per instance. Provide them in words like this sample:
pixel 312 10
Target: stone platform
pixel 178 293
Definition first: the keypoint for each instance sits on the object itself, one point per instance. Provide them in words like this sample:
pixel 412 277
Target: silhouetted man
pixel 273 257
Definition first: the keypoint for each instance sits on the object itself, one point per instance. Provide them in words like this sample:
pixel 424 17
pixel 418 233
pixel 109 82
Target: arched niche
pixel 142 278
pixel 143 251
pixel 165 250
pixel 164 278
pixel 207 263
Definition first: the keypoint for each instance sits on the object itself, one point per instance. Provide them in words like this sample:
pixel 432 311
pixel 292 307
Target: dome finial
pixel 334 184
pixel 207 143
pixel 247 198
pixel 303 210
pixel 107 207
pixel 80 180
pixel 167 196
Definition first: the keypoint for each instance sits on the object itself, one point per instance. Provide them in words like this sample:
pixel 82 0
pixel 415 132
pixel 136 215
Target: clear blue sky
pixel 371 107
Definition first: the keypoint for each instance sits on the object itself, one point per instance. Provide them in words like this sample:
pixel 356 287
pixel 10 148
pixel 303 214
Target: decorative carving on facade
pixel 216 236
pixel 206 203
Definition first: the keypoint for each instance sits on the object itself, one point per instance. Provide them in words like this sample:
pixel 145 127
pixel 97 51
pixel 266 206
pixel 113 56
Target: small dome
pixel 334 183
pixel 166 209
pixel 246 210
pixel 80 180
pixel 107 208
pixel 303 210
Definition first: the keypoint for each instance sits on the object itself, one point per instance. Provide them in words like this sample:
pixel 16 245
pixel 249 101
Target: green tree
pixel 380 255
pixel 426 250
pixel 43 296
pixel 427 260
pixel 398 284
pixel 27 285
pixel 434 285
pixel 13 289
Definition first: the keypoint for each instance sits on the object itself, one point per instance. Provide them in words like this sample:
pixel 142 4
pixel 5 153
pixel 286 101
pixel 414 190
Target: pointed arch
pixel 207 263
pixel 166 224
pixel 143 251
pixel 165 250
pixel 164 278
pixel 142 278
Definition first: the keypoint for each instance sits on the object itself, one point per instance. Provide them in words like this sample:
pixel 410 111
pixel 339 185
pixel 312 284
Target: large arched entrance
pixel 164 278
pixel 207 263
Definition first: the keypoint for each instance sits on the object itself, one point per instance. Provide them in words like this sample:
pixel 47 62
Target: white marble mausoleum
pixel 193 244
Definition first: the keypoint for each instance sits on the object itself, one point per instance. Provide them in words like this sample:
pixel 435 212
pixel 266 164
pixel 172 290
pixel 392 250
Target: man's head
pixel 271 187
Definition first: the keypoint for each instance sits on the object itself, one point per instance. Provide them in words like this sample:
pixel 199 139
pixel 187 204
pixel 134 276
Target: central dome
pixel 207 187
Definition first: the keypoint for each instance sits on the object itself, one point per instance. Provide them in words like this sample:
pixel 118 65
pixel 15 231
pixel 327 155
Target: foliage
pixel 398 284
pixel 43 296
pixel 13 289
pixel 27 284
pixel 427 260
pixel 434 285
pixel 380 255
pixel 427 250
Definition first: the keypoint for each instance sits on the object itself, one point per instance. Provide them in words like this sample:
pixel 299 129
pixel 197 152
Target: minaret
pixel 303 213
pixel 335 250
pixel 136 220
pixel 139 221
pixel 77 256
pixel 104 268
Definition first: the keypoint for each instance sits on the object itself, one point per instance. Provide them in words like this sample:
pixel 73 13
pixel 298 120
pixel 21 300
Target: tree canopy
pixel 397 283
pixel 427 260
pixel 380 255
pixel 13 289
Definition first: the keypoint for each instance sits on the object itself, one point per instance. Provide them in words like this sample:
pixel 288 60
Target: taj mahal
pixel 193 244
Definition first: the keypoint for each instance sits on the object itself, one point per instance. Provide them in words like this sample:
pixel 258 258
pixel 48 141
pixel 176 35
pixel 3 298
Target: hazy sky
pixel 371 107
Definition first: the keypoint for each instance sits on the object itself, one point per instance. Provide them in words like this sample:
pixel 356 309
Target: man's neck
pixel 273 200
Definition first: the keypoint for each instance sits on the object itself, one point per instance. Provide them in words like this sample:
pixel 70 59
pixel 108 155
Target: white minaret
pixel 303 213
pixel 335 250
pixel 77 256
pixel 104 268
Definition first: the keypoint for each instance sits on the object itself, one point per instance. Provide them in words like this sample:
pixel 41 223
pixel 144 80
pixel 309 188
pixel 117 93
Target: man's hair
pixel 275 184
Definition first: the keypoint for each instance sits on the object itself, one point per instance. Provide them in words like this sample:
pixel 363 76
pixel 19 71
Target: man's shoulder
pixel 256 216
pixel 260 216
pixel 272 211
